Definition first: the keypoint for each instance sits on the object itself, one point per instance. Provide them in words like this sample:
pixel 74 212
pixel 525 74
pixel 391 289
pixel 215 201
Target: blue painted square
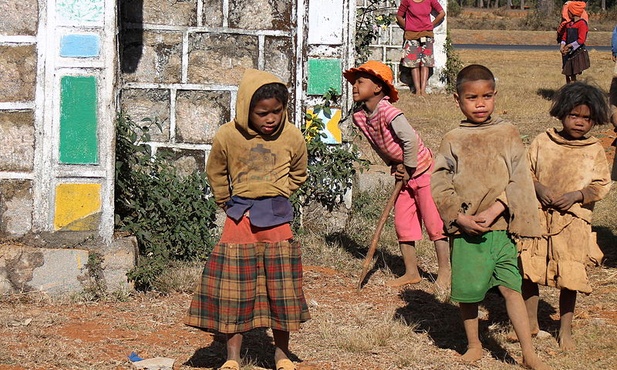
pixel 322 75
pixel 80 46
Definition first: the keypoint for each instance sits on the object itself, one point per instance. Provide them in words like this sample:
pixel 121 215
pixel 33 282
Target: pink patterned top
pixel 378 130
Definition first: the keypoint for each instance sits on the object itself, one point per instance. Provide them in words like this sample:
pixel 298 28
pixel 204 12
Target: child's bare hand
pixel 471 225
pixel 487 217
pixel 544 194
pixel 564 202
pixel 565 49
pixel 402 172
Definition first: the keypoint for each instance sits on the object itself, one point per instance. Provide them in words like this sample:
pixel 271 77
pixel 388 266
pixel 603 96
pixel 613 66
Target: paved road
pixel 522 47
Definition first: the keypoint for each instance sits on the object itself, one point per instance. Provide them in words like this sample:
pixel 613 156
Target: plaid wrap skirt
pixel 252 285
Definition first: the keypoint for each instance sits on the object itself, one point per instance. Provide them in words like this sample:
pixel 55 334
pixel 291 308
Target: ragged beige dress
pixel 561 257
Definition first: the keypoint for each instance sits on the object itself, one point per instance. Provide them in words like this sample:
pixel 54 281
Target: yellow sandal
pixel 230 365
pixel 285 364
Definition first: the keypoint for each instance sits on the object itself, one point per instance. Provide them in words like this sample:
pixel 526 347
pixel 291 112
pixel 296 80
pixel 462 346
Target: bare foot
pixel 534 362
pixel 443 279
pixel 566 343
pixel 404 280
pixel 473 354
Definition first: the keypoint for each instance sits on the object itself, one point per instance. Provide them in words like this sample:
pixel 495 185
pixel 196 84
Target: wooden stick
pixel 382 221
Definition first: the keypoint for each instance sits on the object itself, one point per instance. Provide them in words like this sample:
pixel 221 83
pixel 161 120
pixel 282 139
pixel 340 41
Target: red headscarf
pixel 577 8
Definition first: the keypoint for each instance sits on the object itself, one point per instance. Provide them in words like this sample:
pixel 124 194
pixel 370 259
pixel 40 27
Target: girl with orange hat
pixel 398 144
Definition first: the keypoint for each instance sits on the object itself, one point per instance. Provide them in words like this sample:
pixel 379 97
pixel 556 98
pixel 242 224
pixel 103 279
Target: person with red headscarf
pixel 565 18
pixel 572 43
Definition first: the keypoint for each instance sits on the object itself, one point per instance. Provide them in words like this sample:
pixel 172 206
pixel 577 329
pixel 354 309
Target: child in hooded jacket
pixel 253 277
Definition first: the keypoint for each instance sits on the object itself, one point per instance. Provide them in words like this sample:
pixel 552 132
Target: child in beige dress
pixel 570 172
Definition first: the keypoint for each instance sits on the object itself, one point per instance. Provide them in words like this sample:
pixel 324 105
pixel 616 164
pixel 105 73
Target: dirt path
pixel 39 334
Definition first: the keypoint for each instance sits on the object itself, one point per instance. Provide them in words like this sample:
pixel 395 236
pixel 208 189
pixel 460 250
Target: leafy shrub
pixel 372 18
pixel 171 215
pixel 331 167
pixel 454 9
pixel 539 21
pixel 453 66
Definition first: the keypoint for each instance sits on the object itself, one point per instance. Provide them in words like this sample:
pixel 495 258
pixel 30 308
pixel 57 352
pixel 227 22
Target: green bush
pixel 454 9
pixel 171 215
pixel 535 20
pixel 453 66
pixel 376 15
pixel 331 167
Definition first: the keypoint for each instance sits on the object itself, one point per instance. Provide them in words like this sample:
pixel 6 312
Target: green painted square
pixel 324 74
pixel 78 120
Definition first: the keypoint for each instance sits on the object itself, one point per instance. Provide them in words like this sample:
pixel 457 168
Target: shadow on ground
pixel 607 241
pixel 257 349
pixel 442 321
pixel 383 258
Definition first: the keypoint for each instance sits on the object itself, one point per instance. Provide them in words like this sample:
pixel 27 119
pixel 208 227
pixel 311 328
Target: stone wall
pixel 181 62
pixel 57 112
pixel 57 108
pixel 18 74
pixel 387 48
pixel 68 66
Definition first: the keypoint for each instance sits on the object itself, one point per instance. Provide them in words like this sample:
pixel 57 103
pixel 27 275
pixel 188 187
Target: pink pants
pixel 414 206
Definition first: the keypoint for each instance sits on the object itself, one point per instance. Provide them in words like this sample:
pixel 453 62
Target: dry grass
pixel 525 83
pixel 376 328
pixel 524 99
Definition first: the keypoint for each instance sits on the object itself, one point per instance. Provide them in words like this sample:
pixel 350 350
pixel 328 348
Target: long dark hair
pixel 578 93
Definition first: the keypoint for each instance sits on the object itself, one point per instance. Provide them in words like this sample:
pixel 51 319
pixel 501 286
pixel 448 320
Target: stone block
pixel 117 260
pixel 17 265
pixel 394 54
pixel 397 36
pixel 384 36
pixel 376 53
pixel 77 206
pixel 220 58
pixel 161 12
pixel 279 58
pixel 16 205
pixel 199 114
pixel 154 56
pixel 261 14
pixel 186 161
pixel 148 103
pixel 213 13
pixel 17 73
pixel 19 18
pixel 376 178
pixel 17 141
pixel 323 74
pixel 55 271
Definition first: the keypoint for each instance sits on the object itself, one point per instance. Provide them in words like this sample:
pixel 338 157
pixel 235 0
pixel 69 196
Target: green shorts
pixel 480 263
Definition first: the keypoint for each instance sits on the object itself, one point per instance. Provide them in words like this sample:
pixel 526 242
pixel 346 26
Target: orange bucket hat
pixel 377 69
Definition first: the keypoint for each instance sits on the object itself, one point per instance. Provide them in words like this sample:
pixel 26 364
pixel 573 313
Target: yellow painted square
pixel 78 207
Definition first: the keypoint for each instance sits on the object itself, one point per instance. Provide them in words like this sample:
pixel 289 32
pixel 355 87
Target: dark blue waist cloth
pixel 264 212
